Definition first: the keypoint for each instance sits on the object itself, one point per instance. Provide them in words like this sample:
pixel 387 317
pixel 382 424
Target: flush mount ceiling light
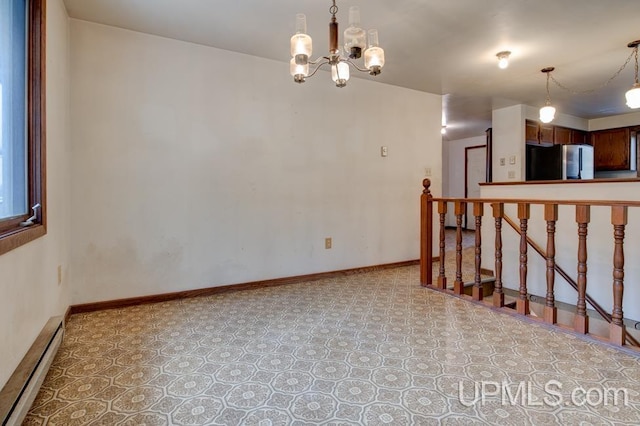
pixel 355 42
pixel 547 112
pixel 503 59
pixel 633 95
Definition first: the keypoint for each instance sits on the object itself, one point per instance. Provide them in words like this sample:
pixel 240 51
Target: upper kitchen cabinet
pixel 611 149
pixel 548 134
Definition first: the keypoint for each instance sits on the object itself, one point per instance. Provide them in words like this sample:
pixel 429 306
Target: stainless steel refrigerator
pixel 559 162
pixel 577 162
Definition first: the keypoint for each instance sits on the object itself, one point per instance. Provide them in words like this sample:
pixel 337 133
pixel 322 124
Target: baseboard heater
pixel 22 388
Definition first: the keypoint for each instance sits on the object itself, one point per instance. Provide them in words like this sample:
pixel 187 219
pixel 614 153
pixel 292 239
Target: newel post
pixel 616 328
pixel 426 235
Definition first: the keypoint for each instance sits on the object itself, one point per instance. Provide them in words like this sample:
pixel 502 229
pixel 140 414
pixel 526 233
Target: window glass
pixel 13 95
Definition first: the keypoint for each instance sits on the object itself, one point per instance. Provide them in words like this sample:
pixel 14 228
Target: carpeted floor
pixel 372 348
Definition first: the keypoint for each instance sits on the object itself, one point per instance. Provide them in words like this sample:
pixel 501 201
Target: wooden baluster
pixel 616 328
pixel 426 235
pixel 442 279
pixel 551 216
pixel 581 320
pixel 478 211
pixel 460 209
pixel 522 304
pixel 498 294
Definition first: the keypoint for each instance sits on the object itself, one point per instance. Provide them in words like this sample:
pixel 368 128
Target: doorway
pixel 475 172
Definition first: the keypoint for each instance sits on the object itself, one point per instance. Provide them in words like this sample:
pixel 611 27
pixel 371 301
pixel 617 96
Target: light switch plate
pixel 512 159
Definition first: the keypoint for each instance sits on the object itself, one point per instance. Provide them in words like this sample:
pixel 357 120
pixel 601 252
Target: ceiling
pixel 445 47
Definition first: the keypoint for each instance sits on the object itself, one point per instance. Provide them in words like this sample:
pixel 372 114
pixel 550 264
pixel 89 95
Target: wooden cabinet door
pixel 611 149
pixel 579 137
pixel 531 132
pixel 562 136
pixel 546 134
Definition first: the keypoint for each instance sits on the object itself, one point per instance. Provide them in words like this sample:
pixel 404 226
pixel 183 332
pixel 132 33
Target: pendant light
pixel 633 95
pixel 547 112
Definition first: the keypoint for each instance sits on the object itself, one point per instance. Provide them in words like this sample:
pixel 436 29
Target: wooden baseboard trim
pixel 133 301
pixel 67 315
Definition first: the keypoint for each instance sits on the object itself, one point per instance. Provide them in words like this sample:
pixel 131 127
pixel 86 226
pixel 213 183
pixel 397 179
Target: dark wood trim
pixel 67 315
pixel 489 166
pixel 15 236
pixel 133 301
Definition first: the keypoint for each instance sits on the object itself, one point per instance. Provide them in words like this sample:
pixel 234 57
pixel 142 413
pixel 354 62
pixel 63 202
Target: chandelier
pixel 355 44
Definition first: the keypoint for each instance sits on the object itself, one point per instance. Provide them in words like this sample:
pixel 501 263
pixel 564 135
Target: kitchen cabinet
pixel 562 136
pixel 579 137
pixel 537 133
pixel 611 149
pixel 548 134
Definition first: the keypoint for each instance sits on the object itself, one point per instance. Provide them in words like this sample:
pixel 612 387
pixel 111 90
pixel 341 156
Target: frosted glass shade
pixel 301 45
pixel 355 38
pixel 547 114
pixel 340 73
pixel 374 57
pixel 633 96
pixel 503 63
pixel 297 69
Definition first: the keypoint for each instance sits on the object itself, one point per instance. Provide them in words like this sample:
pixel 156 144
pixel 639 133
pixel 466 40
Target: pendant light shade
pixel 547 114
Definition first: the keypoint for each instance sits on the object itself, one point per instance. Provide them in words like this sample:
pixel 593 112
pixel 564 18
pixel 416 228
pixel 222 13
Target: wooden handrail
pixel 605 203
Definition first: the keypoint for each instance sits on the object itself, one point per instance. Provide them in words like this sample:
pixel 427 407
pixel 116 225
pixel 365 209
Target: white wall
pixel 196 167
pixel 30 290
pixel 623 120
pixel 507 141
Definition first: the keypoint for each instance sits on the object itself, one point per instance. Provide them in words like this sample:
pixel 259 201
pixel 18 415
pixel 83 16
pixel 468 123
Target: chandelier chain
pixel 617 73
pixel 333 10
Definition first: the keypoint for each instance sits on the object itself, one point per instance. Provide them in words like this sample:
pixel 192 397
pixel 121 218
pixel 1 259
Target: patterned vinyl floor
pixel 372 348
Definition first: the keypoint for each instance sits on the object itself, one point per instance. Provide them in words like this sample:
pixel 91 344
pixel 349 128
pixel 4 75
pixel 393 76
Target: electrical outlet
pixel 502 162
pixel 384 151
pixel 59 274
pixel 327 243
pixel 427 171
pixel 512 174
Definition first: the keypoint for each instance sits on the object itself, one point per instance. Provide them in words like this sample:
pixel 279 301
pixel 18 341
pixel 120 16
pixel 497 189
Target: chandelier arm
pixel 584 92
pixel 354 65
pixel 325 61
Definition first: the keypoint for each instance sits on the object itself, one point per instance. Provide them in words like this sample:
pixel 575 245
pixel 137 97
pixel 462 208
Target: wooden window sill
pixel 17 237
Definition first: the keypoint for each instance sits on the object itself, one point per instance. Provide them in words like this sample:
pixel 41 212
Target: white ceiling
pixel 446 47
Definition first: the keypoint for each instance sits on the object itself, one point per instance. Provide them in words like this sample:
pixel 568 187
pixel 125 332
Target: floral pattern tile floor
pixel 372 348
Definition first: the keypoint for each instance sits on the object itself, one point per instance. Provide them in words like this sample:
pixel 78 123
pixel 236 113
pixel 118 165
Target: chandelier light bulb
pixel 503 59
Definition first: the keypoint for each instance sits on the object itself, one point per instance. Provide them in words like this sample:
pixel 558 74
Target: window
pixel 22 118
